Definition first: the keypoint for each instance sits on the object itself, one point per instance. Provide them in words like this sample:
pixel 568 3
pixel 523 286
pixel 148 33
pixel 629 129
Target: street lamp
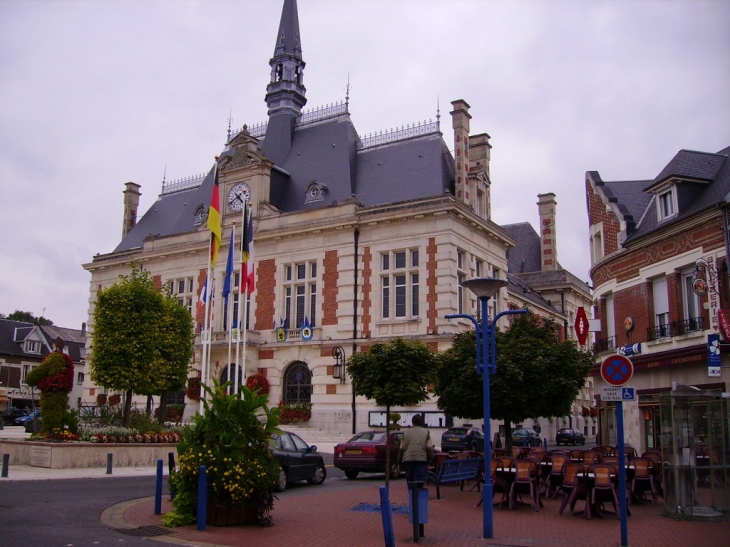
pixel 485 288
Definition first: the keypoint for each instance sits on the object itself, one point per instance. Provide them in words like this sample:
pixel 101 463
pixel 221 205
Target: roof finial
pixel 347 93
pixel 229 125
pixel 438 112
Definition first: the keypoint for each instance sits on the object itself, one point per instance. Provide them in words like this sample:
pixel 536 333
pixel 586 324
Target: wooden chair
pixel 630 452
pixel 604 487
pixel 590 457
pixel 526 481
pixel 576 454
pixel 500 484
pixel 573 488
pixel 555 478
pixel 643 478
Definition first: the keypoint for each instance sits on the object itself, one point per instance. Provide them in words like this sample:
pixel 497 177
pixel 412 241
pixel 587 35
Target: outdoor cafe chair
pixel 572 488
pixel 604 486
pixel 555 478
pixel 527 475
pixel 590 457
pixel 643 478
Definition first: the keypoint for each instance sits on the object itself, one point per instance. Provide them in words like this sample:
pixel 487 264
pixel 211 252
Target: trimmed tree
pixel 142 340
pixel 395 374
pixel 537 375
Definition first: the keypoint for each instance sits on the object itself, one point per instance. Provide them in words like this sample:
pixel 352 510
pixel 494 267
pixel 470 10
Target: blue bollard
pixel 203 498
pixel 158 489
pixel 6 462
pixel 387 516
pixel 109 459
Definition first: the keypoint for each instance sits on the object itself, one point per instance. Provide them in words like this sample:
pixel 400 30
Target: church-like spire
pixel 285 94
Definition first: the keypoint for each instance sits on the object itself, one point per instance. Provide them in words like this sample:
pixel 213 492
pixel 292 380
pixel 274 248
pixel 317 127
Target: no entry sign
pixel 616 370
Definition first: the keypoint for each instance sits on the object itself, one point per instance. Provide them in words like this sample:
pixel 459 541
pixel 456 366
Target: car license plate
pixel 353 451
pixel 454 439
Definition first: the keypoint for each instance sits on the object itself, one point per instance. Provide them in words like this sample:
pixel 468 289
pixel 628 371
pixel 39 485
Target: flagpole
pixel 241 294
pixel 229 308
pixel 214 225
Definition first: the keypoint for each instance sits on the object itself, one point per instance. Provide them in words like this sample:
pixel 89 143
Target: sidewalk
pixel 328 519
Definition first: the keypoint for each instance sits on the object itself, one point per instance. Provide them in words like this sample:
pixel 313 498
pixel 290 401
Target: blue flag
pixel 229 268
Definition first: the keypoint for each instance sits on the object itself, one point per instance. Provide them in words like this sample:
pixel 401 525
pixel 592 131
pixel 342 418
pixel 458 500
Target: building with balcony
pixel 659 255
pixel 358 240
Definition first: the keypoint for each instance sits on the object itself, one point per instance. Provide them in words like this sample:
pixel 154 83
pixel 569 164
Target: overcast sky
pixel 97 93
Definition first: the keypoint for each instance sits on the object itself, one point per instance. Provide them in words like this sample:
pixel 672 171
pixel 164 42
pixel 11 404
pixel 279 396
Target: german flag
pixel 214 220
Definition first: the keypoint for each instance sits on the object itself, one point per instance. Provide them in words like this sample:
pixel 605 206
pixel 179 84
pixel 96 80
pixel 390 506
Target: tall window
pixel 300 294
pixel 661 306
pixel 692 314
pixel 460 278
pixel 610 322
pixel 400 284
pixel 182 289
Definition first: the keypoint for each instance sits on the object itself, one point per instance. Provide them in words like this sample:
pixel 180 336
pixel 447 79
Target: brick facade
pixel 330 280
pixel 265 294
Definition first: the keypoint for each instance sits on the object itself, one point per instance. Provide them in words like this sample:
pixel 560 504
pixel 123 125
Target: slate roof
pixel 12 334
pixel 525 256
pixel 519 286
pixel 704 183
pixel 326 152
pixel 8 344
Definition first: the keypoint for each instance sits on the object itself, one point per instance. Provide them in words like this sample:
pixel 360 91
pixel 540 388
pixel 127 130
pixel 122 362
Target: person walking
pixel 416 452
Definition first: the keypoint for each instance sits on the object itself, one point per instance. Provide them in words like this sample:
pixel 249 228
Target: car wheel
pixel 281 483
pixel 320 474
pixel 351 473
pixel 394 471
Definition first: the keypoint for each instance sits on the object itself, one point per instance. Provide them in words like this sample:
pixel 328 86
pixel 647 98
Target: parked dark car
pixel 298 460
pixel 365 453
pixel 525 437
pixel 461 438
pixel 33 414
pixel 569 436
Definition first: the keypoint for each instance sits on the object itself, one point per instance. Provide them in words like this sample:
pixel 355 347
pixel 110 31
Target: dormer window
pixel 32 346
pixel 315 191
pixel 666 204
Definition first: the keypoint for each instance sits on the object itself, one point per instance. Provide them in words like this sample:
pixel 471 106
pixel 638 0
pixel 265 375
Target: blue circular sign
pixel 616 370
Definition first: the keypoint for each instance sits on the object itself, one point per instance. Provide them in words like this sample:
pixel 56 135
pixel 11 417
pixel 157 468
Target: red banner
pixel 724 324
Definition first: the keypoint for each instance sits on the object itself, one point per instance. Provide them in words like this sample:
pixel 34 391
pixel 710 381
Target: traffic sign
pixel 618 393
pixel 581 326
pixel 616 370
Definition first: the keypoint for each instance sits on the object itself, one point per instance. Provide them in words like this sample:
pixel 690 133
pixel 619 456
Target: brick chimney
pixel 460 123
pixel 548 236
pixel 131 202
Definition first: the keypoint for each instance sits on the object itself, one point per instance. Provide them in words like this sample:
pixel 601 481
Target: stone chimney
pixel 479 183
pixel 460 123
pixel 548 236
pixel 131 202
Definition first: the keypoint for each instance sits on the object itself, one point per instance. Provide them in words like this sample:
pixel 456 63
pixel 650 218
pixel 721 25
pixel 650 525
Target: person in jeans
pixel 416 452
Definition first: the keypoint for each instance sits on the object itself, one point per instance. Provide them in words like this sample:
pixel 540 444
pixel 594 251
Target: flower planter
pixel 229 515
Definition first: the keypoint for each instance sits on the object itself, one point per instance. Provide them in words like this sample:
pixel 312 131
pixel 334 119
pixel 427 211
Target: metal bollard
pixel 6 462
pixel 202 498
pixel 109 458
pixel 387 516
pixel 171 472
pixel 158 489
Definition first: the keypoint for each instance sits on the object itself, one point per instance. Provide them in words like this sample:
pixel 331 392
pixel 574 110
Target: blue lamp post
pixel 485 288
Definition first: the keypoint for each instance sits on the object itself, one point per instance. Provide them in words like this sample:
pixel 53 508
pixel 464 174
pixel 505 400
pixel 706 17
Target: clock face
pixel 238 195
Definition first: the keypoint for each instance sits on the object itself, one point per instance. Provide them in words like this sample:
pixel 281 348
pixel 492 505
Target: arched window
pixel 297 384
pixel 228 375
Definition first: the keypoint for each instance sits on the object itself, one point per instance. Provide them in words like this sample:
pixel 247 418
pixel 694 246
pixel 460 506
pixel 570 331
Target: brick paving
pixel 324 519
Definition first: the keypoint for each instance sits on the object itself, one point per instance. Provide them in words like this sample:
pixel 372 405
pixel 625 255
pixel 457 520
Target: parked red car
pixel 365 452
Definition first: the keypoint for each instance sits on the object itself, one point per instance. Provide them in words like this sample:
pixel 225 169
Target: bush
pixel 231 439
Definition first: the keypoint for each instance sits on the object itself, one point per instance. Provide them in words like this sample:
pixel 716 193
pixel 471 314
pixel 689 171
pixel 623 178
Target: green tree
pixel 537 375
pixel 142 339
pixel 395 374
pixel 26 317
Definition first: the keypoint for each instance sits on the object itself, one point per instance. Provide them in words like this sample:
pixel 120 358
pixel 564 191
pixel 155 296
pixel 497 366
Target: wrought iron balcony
pixel 675 328
pixel 604 344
